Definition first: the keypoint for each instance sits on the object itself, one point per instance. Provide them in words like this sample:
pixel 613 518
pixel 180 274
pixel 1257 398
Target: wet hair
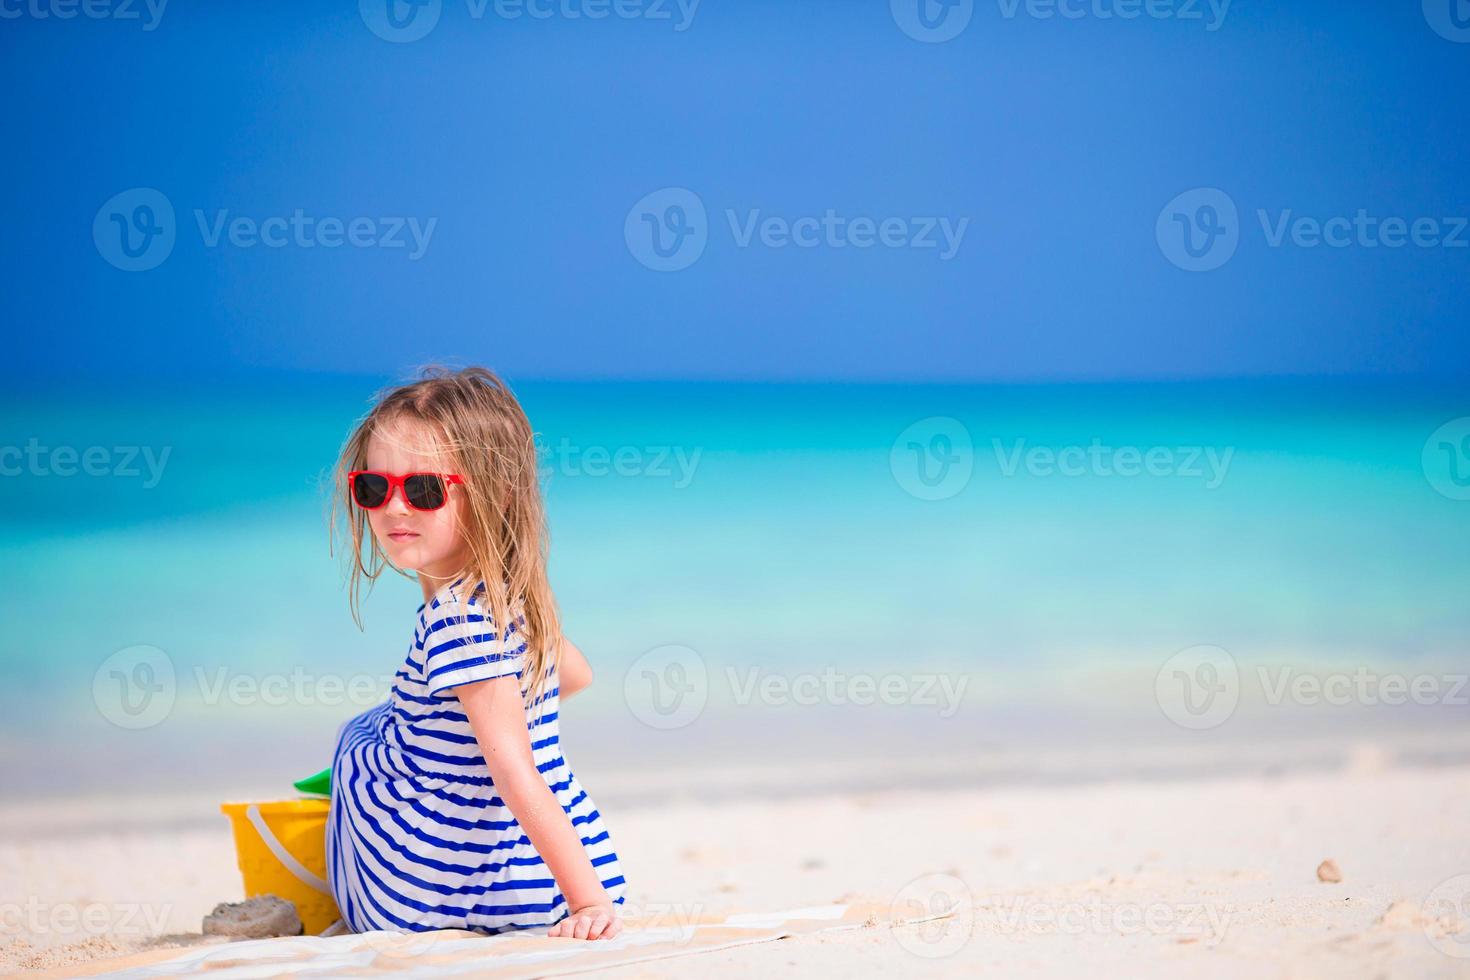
pixel 472 422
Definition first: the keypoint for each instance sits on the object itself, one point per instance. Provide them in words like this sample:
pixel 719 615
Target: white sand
pixel 1203 877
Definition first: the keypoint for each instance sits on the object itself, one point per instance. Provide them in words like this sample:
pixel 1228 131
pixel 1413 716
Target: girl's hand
pixel 589 922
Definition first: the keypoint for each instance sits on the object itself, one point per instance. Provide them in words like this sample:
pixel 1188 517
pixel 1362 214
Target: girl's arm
pixel 574 670
pixel 498 718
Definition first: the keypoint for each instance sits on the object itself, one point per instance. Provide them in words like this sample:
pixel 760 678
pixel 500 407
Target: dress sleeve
pixel 462 645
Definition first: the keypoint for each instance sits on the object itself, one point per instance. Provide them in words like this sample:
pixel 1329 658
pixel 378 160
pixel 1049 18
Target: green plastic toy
pixel 318 785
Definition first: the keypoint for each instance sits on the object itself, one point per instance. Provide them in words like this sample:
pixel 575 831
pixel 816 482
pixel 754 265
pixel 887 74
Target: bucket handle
pixel 252 813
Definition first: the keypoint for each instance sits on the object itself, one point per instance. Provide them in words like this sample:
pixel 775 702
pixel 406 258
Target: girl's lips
pixel 402 535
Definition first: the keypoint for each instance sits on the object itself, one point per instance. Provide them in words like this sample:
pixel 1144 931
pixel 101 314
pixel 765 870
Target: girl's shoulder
pixel 451 599
pixel 459 600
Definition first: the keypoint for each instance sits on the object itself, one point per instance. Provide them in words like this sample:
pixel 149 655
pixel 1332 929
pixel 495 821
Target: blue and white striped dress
pixel 417 838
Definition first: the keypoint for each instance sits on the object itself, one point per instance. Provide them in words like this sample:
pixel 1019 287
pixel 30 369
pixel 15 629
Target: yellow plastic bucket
pixel 282 850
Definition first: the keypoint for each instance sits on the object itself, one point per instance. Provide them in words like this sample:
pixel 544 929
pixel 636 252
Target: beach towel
pixel 654 934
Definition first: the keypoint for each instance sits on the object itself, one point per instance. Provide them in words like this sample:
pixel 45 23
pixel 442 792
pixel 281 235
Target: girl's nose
pixel 397 501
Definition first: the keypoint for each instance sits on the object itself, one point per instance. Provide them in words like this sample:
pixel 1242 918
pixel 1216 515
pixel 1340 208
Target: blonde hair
pixel 483 434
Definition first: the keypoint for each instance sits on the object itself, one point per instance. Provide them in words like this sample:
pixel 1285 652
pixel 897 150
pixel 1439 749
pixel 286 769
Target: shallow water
pixel 770 530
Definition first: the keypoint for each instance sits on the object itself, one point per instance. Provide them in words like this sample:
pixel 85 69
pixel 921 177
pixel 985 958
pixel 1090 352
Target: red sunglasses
pixel 372 489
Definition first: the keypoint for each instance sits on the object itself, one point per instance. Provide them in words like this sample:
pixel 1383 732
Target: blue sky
pixel 1054 149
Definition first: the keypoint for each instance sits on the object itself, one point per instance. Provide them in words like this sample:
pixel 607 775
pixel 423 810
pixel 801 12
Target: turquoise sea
pixel 1085 535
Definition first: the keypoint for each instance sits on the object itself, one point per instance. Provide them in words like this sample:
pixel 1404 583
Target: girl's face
pixel 425 541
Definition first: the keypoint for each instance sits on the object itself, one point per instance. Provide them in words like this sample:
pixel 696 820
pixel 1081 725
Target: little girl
pixel 453 806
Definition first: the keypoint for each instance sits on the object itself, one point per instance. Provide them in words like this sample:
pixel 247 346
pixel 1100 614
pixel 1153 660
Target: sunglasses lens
pixel 369 490
pixel 424 491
